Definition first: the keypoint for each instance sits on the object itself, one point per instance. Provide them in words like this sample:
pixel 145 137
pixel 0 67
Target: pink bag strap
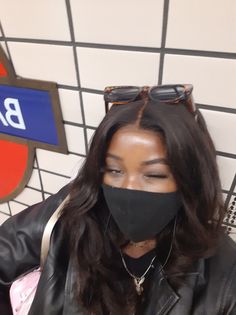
pixel 48 231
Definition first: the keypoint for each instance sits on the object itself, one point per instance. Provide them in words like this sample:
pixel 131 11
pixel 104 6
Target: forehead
pixel 132 142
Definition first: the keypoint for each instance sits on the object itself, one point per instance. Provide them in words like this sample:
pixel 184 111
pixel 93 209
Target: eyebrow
pixel 149 162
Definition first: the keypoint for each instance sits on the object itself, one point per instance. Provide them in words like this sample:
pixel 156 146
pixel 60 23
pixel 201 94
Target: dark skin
pixel 136 159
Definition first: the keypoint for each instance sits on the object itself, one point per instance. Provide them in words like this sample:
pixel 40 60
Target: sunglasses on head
pixel 170 94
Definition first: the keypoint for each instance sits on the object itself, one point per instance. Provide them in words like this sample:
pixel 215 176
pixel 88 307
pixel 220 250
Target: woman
pixel 141 233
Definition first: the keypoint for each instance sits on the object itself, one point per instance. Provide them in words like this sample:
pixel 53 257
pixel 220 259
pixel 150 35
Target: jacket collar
pixel 163 297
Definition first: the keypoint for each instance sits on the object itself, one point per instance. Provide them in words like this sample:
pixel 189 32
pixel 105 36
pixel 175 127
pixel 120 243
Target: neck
pixel 137 250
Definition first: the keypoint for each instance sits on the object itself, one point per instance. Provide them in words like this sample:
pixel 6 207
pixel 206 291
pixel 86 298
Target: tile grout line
pixel 7 48
pixel 70 20
pixel 168 50
pixel 163 41
pixel 40 177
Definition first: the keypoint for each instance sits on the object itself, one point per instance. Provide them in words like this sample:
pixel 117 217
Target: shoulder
pixel 225 256
pixel 36 216
pixel 220 273
pixel 21 236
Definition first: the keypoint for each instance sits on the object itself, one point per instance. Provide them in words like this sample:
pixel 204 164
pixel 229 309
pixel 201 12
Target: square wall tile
pixel 64 164
pixel 202 25
pixel 44 62
pixel 227 169
pixel 222 127
pixel 75 139
pixel 210 77
pixel 94 108
pixel 118 22
pixel 44 19
pixel 29 196
pixel 4 208
pixel 53 183
pixel 16 207
pixel 3 218
pixel 34 181
pixel 70 105
pixel 103 67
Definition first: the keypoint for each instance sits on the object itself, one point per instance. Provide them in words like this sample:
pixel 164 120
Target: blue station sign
pixel 27 113
pixel 30 118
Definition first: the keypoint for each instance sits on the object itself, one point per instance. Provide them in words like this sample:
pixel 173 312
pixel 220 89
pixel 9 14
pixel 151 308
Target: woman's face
pixel 136 159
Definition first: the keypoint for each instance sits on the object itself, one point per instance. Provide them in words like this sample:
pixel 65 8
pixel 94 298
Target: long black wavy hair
pixel 103 286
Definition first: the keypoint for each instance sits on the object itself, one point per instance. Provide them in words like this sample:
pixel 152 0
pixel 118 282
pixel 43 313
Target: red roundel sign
pixel 30 117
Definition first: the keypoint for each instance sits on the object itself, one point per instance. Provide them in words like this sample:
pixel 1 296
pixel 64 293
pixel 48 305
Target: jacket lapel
pixel 161 297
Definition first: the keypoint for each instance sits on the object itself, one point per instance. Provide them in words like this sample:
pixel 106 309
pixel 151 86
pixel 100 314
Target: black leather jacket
pixel 210 287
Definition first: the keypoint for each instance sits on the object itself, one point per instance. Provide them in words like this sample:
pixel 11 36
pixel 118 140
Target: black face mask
pixel 141 215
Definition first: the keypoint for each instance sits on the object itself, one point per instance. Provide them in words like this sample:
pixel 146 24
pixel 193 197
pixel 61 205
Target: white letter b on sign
pixel 13 110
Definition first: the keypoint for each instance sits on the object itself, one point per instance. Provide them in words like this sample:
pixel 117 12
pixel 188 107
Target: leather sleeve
pixel 20 243
pixel 233 312
pixel 230 293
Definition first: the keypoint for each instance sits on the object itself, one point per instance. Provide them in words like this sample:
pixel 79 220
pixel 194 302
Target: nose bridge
pixel 131 181
pixel 144 92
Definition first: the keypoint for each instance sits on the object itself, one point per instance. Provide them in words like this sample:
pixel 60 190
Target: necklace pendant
pixel 138 285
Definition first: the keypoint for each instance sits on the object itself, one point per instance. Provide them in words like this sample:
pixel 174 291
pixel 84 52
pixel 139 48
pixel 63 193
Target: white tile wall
pixel 34 181
pixel 227 167
pixel 90 133
pixel 76 168
pixel 3 45
pixel 16 207
pixel 118 22
pixel 46 19
pixel 203 25
pixel 29 196
pixel 3 218
pixel 223 134
pixel 4 208
pixel 57 162
pixel 214 79
pixel 75 139
pixel 46 195
pixel 52 183
pixel 44 62
pixel 70 105
pixel 94 108
pixel 102 67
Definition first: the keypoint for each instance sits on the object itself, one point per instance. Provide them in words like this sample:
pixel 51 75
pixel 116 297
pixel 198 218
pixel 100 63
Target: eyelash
pixel 118 172
pixel 161 176
pixel 112 171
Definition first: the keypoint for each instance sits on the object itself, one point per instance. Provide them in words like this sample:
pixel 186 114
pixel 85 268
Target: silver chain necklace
pixel 138 281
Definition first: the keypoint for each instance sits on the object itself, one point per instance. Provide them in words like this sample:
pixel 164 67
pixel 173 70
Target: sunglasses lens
pixel 122 94
pixel 168 92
